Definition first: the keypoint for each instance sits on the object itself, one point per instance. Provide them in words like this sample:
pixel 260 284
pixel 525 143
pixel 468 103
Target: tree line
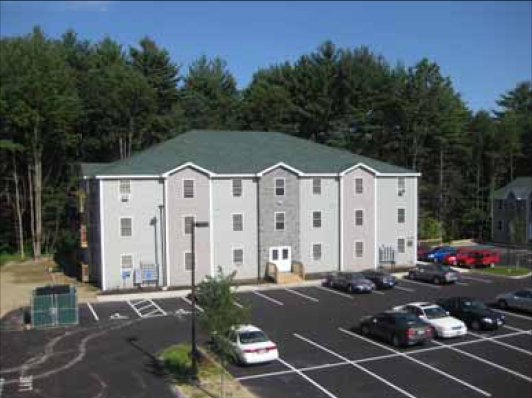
pixel 68 100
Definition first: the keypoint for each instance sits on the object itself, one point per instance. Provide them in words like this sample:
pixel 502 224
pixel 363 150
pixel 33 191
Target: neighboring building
pixel 512 212
pixel 268 197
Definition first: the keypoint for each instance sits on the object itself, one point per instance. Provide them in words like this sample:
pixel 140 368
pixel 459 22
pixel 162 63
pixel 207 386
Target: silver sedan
pixel 518 299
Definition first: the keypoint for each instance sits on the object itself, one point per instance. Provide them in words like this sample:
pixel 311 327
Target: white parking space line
pixel 302 295
pixel 330 290
pixel 514 315
pixel 502 343
pixel 377 292
pixel 403 355
pixel 320 387
pixel 470 278
pixel 143 308
pixel 513 328
pixel 134 308
pixel 462 283
pixel 94 314
pixel 268 298
pixel 421 284
pixel 504 369
pixel 159 308
pixel 404 288
pixel 356 365
pixel 190 303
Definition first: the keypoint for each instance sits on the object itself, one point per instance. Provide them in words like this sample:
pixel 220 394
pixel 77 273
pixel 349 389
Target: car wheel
pixel 502 304
pixel 395 341
pixel 475 325
pixel 365 330
pixel 436 280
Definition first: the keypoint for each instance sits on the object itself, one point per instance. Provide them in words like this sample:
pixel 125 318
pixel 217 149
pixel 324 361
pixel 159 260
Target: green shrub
pixel 177 361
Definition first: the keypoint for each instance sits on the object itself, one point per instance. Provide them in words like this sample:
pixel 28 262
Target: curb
pixel 184 293
pixel 504 276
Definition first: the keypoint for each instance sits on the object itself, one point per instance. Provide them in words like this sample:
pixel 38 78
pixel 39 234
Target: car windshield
pixel 474 305
pixel 435 312
pixel 445 268
pixel 407 319
pixel 355 275
pixel 252 337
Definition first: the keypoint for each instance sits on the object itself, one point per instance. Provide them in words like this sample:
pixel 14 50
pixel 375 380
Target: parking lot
pixel 321 352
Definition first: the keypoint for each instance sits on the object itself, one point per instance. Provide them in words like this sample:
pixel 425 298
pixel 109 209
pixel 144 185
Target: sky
pixel 485 47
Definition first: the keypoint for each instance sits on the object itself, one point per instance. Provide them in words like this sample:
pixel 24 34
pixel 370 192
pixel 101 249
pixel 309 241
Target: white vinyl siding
pixel 126 226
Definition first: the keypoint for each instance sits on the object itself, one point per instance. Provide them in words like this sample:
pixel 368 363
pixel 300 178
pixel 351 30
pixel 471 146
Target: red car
pixel 473 258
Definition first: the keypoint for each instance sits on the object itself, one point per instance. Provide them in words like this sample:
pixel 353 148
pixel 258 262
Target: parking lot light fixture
pixel 194 350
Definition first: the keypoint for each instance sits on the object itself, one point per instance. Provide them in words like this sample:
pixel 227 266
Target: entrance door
pixel 282 257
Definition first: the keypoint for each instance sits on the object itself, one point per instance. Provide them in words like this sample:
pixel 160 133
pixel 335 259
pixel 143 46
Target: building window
pixel 279 186
pixel 188 258
pixel 359 185
pixel 499 225
pixel 188 224
pixel 400 245
pixel 316 186
pixel 188 189
pixel 237 188
pixel 401 216
pixel 359 249
pixel 238 256
pixel 279 221
pixel 401 186
pixel 126 227
pixel 316 251
pixel 359 217
pixel 238 222
pixel 316 219
pixel 125 190
pixel 126 261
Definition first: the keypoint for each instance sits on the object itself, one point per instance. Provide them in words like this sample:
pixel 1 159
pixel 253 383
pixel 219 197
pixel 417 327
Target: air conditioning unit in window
pixel 124 198
pixel 401 192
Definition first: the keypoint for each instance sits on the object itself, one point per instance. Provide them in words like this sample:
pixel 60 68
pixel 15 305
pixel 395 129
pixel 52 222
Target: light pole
pixel 194 352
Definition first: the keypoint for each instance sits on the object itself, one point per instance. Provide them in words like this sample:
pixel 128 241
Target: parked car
pixel 252 346
pixel 353 282
pixel 397 328
pixel 444 325
pixel 435 273
pixel 518 299
pixel 381 278
pixel 437 254
pixel 477 258
pixel 422 253
pixel 474 313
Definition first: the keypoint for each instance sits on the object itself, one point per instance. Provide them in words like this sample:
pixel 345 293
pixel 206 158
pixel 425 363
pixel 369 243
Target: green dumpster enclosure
pixel 53 306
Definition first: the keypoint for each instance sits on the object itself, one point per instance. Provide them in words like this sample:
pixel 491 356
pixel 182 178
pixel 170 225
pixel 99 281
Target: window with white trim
pixel 400 245
pixel 126 226
pixel 359 217
pixel 188 189
pixel 188 260
pixel 401 186
pixel 238 222
pixel 316 186
pixel 280 186
pixel 237 188
pixel 359 249
pixel 401 216
pixel 359 185
pixel 316 251
pixel 238 256
pixel 125 187
pixel 279 221
pixel 316 219
pixel 188 224
pixel 126 261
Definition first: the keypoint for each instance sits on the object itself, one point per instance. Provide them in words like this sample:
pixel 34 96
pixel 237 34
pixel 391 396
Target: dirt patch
pixel 17 280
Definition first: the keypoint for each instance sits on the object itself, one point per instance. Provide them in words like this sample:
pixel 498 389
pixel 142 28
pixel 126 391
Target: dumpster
pixel 53 306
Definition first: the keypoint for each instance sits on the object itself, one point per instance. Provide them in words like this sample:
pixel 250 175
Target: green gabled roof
pixel 92 169
pixel 241 152
pixel 521 188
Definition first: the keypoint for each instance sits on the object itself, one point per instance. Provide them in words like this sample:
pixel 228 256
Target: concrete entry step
pixel 287 278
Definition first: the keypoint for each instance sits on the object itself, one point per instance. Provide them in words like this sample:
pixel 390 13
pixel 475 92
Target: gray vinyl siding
pixel 178 242
pixel 328 235
pixel 353 233
pixel 92 255
pixel 145 243
pixel 268 205
pixel 389 230
pixel 224 205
